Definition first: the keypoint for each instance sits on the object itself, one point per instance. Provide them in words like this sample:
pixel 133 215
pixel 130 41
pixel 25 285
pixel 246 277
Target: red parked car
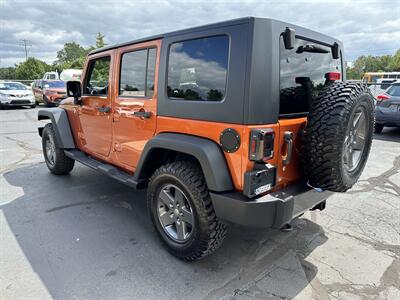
pixel 50 92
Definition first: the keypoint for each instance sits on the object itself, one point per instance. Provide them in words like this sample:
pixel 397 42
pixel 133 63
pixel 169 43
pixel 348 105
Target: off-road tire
pixel 378 128
pixel 208 233
pixel 323 146
pixel 62 164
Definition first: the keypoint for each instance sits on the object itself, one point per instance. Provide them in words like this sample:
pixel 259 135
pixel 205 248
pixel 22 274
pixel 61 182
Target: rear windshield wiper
pixel 311 48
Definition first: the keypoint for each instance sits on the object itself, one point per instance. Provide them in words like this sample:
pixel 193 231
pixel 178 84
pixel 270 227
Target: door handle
pixel 288 139
pixel 142 114
pixel 105 109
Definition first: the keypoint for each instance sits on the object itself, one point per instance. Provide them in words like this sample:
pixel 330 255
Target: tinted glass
pixel 197 69
pixel 151 67
pixel 12 86
pixel 374 78
pixel 137 73
pixel 133 74
pixel 97 80
pixel 394 90
pixel 302 74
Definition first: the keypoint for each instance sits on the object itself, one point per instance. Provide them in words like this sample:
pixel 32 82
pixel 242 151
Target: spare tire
pixel 338 136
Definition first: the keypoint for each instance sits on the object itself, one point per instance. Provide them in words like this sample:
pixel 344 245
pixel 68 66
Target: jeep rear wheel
pixel 182 213
pixel 56 160
pixel 338 136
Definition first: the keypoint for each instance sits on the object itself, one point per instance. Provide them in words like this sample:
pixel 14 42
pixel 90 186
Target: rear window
pixel 394 90
pixel 302 74
pixel 54 84
pixel 197 69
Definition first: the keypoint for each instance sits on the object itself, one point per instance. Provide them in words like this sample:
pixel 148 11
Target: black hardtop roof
pixel 173 33
pixel 197 28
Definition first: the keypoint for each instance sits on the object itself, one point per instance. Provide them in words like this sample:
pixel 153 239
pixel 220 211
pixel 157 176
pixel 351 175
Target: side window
pixel 198 69
pixel 96 82
pixel 151 69
pixel 137 73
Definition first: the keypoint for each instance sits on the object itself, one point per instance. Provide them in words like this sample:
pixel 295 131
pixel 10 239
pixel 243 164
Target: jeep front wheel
pixel 182 213
pixel 56 160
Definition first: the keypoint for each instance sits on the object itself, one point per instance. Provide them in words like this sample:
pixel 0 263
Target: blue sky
pixel 365 27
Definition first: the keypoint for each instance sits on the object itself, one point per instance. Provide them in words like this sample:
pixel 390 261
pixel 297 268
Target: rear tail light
pixel 382 97
pixel 332 76
pixel 261 144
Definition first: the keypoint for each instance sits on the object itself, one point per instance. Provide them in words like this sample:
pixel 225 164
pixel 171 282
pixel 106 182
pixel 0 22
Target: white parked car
pixel 14 94
pixel 51 76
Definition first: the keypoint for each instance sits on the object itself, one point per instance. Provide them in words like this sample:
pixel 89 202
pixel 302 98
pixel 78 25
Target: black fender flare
pixel 59 119
pixel 207 152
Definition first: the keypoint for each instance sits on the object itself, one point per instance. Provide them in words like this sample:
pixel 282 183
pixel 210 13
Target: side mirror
pixel 74 89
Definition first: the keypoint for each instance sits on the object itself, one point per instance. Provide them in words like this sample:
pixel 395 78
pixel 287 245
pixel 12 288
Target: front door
pixel 37 90
pixel 95 112
pixel 136 101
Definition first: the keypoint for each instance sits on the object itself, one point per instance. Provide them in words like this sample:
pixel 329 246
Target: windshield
pixel 394 90
pixel 9 86
pixel 54 84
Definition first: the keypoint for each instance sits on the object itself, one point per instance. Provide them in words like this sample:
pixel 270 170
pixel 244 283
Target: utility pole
pixel 26 44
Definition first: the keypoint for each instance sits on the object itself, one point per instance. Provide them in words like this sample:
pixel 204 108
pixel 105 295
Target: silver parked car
pixel 387 111
pixel 14 94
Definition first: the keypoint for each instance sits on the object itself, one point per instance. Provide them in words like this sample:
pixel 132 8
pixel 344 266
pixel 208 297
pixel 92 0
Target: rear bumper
pixel 272 210
pixel 386 117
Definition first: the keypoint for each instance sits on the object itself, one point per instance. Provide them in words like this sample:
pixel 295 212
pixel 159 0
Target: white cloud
pixel 365 27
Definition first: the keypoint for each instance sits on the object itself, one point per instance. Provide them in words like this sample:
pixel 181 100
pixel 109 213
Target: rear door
pixel 136 100
pixel 302 77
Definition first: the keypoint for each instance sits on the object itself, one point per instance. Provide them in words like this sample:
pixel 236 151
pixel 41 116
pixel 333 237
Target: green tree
pixel 7 73
pixel 394 64
pixel 214 95
pixel 31 69
pixel 70 52
pixel 352 73
pixel 72 56
pixel 100 43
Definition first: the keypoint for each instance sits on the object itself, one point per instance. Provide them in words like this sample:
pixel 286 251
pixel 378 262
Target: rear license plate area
pixel 259 181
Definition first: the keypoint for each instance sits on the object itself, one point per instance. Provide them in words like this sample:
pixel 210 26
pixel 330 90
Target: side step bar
pixel 105 168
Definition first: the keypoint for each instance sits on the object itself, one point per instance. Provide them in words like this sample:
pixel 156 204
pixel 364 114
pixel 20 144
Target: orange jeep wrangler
pixel 248 121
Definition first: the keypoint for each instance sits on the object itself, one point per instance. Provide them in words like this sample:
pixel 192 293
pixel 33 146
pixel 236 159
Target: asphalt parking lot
pixel 85 236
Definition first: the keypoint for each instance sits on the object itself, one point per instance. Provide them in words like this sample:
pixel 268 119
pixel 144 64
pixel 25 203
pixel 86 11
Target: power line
pixel 26 44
